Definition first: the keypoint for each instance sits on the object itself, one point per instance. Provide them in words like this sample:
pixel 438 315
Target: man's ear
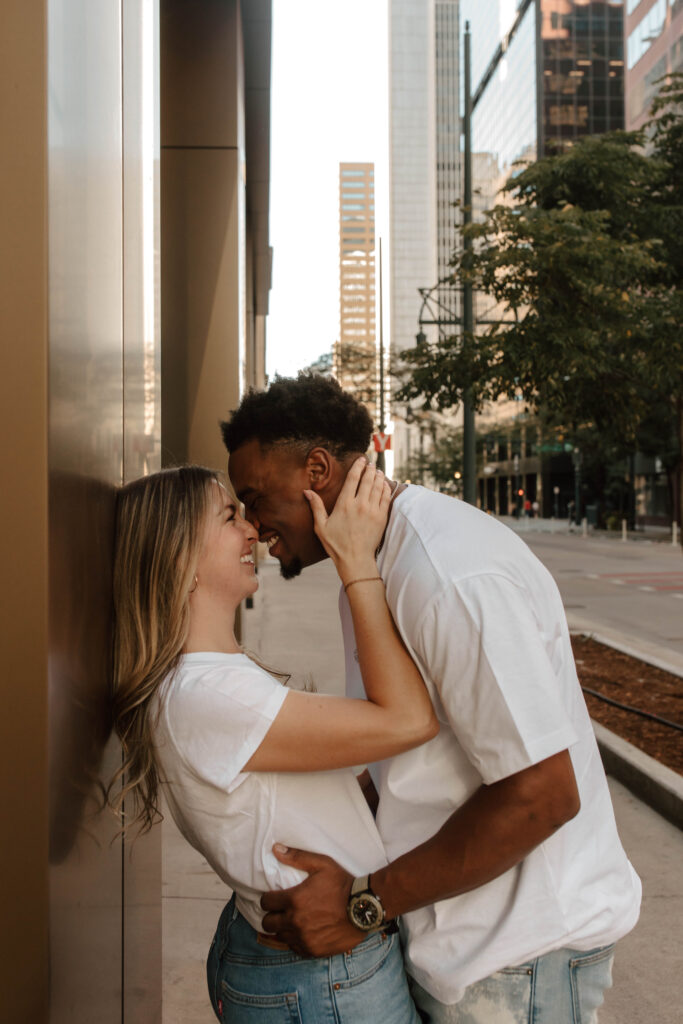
pixel 324 471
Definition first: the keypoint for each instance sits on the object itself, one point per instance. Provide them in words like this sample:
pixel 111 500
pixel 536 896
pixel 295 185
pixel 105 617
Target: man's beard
pixel 292 569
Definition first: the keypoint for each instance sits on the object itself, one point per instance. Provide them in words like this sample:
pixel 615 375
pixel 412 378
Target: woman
pixel 244 761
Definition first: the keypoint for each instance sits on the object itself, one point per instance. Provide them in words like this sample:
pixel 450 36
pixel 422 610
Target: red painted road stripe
pixel 637 575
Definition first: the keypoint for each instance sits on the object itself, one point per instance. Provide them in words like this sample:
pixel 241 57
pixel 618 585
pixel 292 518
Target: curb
pixel 653 783
pixel 650 653
pixel 659 787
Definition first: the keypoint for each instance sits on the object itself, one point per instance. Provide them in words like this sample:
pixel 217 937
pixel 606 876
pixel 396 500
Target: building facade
pixel 654 48
pixel 544 73
pixel 424 174
pixel 355 353
pixel 133 317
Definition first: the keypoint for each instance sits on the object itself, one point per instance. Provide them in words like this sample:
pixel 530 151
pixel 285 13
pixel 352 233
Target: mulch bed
pixel 639 685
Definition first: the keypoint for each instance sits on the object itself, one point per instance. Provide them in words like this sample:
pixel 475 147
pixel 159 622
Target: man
pixel 505 864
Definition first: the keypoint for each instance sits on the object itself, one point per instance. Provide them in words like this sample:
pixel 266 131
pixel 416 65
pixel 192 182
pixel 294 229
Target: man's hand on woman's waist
pixel 492 832
pixel 311 917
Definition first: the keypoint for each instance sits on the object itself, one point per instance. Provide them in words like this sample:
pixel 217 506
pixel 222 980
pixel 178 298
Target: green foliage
pixel 584 262
pixel 437 462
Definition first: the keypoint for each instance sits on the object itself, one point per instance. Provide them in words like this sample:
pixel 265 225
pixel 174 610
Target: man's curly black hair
pixel 302 411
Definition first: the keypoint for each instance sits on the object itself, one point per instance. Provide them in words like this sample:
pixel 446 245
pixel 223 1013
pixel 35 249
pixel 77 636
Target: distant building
pixel 654 48
pixel 354 356
pixel 544 73
pixel 424 104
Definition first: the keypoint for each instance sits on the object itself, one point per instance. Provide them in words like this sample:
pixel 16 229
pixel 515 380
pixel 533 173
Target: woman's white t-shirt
pixel 210 717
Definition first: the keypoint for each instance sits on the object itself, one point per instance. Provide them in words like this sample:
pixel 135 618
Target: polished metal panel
pixel 23 514
pixel 85 439
pixel 141 440
pixel 103 423
pixel 141 342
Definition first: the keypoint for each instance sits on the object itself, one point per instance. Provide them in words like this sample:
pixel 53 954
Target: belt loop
pixel 225 924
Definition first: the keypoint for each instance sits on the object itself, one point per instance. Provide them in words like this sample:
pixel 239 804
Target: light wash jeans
pixel 563 987
pixel 250 983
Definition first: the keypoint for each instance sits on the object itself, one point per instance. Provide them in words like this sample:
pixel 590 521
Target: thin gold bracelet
pixel 365 579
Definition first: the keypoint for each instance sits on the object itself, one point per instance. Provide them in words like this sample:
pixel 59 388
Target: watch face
pixel 367 912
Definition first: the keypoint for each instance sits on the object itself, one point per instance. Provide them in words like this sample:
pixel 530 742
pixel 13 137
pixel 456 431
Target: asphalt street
pixel 632 590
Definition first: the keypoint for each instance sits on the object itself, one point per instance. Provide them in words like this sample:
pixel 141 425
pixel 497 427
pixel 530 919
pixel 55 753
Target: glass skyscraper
pixel 544 73
pixel 425 182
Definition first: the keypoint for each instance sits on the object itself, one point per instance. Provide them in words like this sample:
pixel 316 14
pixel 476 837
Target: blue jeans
pixel 250 983
pixel 563 987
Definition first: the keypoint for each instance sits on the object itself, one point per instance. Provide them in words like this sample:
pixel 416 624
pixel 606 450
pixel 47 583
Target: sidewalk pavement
pixel 535 524
pixel 294 626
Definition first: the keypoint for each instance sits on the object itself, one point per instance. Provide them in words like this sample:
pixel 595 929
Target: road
pixel 630 590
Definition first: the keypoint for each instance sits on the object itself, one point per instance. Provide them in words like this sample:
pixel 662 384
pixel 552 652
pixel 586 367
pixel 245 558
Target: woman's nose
pixel 249 529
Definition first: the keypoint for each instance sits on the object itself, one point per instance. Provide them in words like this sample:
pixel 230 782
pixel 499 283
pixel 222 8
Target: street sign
pixel 382 442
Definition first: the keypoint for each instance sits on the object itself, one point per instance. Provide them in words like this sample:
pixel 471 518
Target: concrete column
pixel 203 225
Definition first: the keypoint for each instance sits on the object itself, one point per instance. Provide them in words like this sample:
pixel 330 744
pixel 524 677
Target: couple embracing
pixel 491 886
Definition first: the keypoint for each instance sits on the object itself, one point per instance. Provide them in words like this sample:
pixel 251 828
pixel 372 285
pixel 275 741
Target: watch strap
pixel 361 884
pixel 359 887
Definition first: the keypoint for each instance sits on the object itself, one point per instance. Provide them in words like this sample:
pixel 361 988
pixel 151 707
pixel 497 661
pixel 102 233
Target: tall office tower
pixel 355 352
pixel 654 48
pixel 544 73
pixel 424 167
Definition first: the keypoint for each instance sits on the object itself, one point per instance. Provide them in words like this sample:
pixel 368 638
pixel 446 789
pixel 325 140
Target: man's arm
pixel 494 830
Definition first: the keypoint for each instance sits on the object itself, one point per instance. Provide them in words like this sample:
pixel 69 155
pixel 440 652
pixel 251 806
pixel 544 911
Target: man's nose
pixel 250 527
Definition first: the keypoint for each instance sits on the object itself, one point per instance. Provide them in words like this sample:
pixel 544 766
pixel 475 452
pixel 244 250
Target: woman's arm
pixel 315 732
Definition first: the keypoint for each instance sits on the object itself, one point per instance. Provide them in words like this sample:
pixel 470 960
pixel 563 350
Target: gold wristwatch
pixel 364 909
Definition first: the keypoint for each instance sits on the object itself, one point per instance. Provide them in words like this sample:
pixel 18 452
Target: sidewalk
pixel 526 524
pixel 294 626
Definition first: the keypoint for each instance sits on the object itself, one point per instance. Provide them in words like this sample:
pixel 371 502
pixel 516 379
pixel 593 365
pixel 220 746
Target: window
pixel 646 31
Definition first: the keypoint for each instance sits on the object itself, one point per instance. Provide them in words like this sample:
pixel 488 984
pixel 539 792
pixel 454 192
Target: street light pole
pixel 380 461
pixel 577 459
pixel 469 452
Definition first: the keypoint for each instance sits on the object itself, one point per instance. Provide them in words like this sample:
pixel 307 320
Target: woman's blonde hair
pixel 159 535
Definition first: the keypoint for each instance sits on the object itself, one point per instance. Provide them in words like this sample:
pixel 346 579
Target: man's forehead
pixel 254 468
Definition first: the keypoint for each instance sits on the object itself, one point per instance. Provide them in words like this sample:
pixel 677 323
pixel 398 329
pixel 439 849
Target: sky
pixel 328 105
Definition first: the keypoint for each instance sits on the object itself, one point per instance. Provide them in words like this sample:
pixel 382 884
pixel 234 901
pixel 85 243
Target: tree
pixel 584 262
pixel 356 369
pixel 437 461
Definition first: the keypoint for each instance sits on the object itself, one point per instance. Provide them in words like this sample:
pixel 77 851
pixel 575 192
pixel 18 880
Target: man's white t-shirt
pixel 484 622
pixel 210 717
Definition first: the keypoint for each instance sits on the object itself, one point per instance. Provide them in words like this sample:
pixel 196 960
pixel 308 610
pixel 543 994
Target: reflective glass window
pixel 646 31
